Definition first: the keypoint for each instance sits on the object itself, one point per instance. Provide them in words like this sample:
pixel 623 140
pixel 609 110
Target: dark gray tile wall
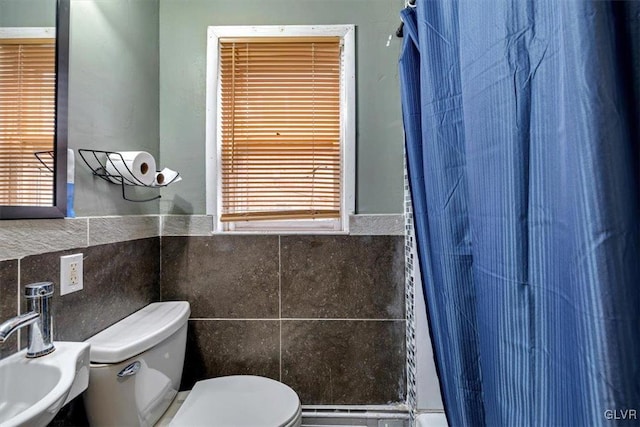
pixel 222 276
pixel 344 362
pixel 8 302
pixel 235 347
pixel 119 278
pixel 324 314
pixel 353 277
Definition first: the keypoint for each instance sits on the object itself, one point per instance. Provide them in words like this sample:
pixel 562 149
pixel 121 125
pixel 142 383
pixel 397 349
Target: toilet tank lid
pixel 138 332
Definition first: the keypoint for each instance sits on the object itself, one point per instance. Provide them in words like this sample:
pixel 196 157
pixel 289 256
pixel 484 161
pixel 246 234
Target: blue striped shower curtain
pixel 522 125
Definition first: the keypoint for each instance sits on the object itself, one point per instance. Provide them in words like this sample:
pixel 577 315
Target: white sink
pixel 32 391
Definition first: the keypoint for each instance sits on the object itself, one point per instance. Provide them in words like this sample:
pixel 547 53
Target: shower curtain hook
pixel 399 31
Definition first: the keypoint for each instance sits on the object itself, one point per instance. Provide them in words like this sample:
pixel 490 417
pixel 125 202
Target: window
pixel 27 116
pixel 280 128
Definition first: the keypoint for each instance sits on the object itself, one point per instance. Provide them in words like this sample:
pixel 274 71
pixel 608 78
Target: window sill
pixel 359 225
pixel 279 232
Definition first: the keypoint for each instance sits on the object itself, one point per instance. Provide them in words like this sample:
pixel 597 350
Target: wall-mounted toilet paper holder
pixel 112 167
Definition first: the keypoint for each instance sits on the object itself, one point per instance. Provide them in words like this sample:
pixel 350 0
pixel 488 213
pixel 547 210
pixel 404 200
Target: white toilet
pixel 136 366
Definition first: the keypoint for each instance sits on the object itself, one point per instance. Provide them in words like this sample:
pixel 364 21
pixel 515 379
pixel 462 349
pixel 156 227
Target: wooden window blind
pixel 27 120
pixel 280 128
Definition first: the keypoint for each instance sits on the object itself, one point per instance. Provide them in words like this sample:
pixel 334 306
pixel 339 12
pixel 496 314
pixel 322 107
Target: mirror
pixel 33 108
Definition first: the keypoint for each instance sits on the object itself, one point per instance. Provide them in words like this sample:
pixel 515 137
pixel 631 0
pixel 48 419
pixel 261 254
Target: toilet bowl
pixel 136 366
pixel 239 401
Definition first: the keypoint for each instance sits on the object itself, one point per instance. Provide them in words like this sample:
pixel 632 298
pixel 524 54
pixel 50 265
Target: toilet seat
pixel 240 401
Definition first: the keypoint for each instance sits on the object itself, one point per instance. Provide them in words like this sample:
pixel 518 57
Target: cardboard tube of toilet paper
pixel 135 167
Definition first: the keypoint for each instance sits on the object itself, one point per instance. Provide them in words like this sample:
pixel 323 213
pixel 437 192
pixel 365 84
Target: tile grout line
pixel 290 319
pixel 160 268
pixel 332 319
pixel 231 319
pixel 160 232
pixel 280 300
pixel 18 308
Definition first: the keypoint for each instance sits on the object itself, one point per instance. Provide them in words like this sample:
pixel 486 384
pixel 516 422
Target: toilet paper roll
pixel 135 167
pixel 166 176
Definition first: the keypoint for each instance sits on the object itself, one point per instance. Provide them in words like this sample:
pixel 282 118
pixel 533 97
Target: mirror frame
pixel 59 208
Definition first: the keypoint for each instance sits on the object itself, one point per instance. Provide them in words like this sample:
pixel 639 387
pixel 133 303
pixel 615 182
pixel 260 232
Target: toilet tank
pixel 136 366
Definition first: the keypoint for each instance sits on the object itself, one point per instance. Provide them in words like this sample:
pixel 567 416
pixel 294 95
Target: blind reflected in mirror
pixel 27 116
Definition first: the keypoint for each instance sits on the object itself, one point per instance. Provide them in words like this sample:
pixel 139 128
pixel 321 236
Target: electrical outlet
pixel 74 278
pixel 70 273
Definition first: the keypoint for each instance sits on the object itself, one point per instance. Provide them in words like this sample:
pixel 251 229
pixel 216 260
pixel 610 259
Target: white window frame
pixel 28 33
pixel 348 130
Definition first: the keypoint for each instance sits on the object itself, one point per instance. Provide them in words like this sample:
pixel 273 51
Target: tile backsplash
pixel 119 278
pixel 8 301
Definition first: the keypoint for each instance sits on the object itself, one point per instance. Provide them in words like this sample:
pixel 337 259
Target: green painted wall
pixel 113 87
pixel 137 82
pixel 183 27
pixel 113 94
pixel 27 13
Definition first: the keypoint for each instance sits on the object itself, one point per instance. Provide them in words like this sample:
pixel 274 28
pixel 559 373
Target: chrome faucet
pixel 38 318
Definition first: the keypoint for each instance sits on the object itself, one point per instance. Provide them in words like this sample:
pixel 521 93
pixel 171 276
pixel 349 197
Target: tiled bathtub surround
pixel 411 278
pixel 324 314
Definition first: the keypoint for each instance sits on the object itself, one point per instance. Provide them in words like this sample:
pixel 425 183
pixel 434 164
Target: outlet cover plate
pixel 70 273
